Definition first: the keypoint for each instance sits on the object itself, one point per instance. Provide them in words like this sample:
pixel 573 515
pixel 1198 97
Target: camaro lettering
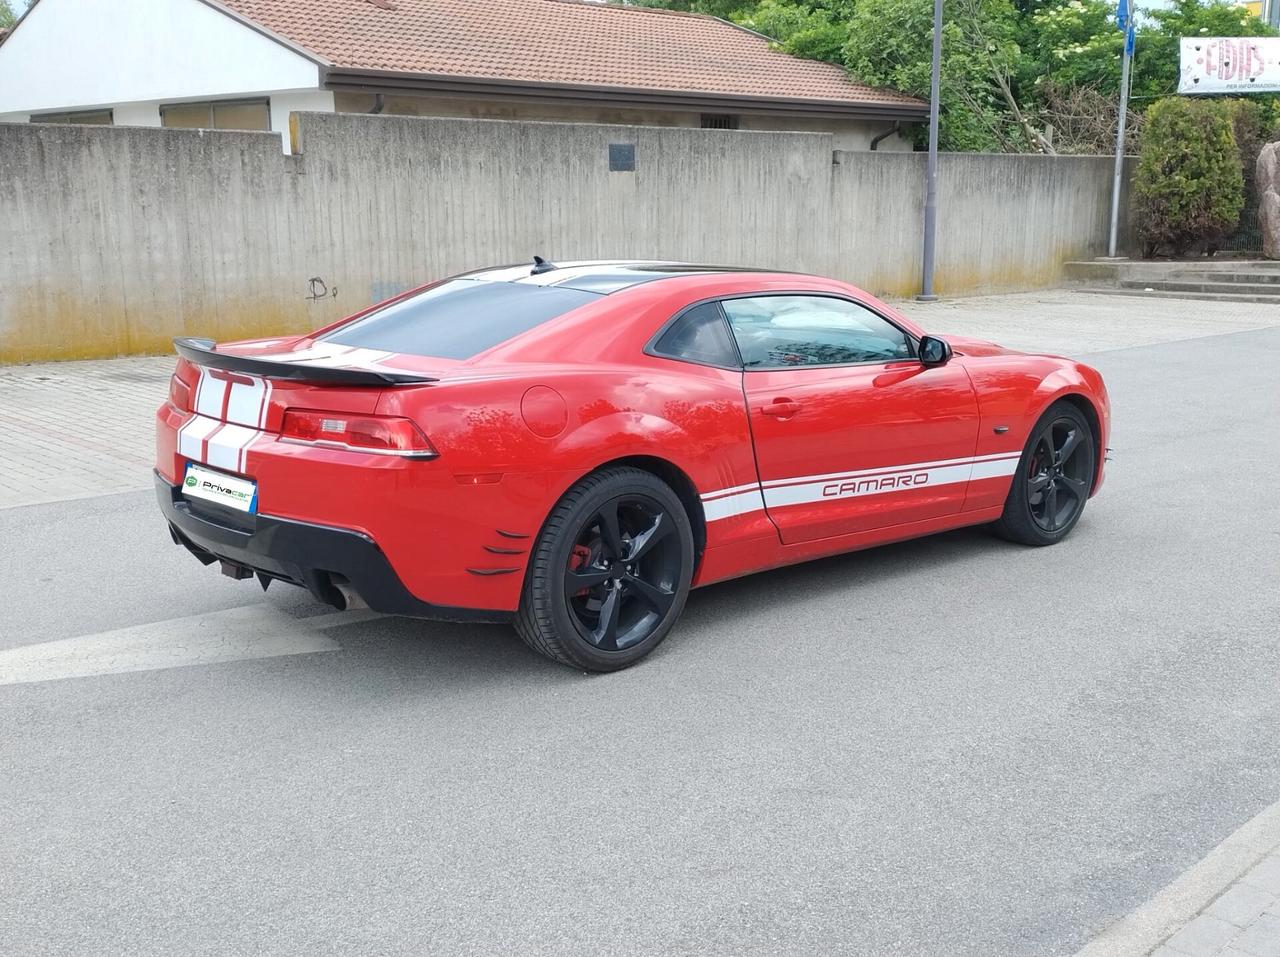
pixel 885 483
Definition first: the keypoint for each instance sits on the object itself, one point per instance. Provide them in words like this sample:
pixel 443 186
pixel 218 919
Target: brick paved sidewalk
pixel 75 429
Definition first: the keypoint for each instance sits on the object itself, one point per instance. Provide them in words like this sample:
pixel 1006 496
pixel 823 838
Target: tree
pixel 725 9
pixel 984 103
pixel 7 16
pixel 889 43
pixel 1073 44
pixel 1188 188
pixel 811 31
pixel 1010 67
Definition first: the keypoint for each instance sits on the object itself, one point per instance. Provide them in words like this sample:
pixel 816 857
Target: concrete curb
pixel 1159 918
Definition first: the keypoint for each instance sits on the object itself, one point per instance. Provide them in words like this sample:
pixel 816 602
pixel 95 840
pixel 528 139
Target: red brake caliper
pixel 578 560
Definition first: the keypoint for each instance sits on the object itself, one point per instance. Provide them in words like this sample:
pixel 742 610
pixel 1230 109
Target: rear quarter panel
pixel 516 439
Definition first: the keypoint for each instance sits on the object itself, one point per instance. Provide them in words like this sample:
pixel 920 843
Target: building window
pixel 82 118
pixel 720 121
pixel 218 115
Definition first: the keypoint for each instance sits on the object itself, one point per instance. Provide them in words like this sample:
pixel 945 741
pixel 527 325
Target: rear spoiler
pixel 202 352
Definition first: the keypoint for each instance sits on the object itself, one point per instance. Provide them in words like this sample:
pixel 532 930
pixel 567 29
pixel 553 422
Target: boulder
pixel 1269 199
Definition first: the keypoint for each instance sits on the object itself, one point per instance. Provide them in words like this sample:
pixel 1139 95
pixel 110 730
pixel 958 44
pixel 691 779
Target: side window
pixel 782 332
pixel 218 115
pixel 700 335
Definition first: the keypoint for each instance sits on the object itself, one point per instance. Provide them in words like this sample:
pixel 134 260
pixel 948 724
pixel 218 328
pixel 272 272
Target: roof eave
pixel 394 81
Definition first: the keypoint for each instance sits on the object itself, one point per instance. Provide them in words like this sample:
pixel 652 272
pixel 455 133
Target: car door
pixel 852 432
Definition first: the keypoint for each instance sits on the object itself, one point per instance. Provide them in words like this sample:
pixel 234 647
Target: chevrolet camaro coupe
pixel 573 447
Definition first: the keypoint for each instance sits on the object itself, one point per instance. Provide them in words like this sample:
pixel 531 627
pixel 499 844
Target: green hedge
pixel 1188 190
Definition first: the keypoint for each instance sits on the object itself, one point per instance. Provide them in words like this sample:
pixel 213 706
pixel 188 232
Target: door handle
pixel 782 408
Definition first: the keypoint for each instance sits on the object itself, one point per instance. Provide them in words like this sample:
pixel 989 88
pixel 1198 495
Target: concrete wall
pixel 114 240
pixel 1005 222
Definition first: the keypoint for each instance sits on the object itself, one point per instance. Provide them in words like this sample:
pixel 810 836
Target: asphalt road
pixel 950 746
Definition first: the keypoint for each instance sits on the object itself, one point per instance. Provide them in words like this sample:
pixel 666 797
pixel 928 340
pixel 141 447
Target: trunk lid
pixel 250 384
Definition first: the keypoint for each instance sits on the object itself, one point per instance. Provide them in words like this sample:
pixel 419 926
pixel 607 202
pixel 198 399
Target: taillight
pixel 379 434
pixel 179 393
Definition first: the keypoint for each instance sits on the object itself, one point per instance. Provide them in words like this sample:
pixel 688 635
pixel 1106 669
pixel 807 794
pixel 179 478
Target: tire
pixel 601 592
pixel 1046 500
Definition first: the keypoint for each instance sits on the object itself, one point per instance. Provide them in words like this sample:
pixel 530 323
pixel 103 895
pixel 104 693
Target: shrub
pixel 1248 122
pixel 1188 190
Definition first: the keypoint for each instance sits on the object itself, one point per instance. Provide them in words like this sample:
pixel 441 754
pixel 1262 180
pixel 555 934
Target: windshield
pixel 459 318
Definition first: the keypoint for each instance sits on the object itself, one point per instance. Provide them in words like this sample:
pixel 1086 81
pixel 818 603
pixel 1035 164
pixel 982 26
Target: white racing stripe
pixel 881 484
pixel 207 438
pixel 569 272
pixel 916 467
pixel 192 435
pixel 227 445
pixel 749 487
pixel 727 506
pixel 810 489
pixel 350 359
pixel 524 274
pixel 210 391
pixel 246 402
pixel 329 355
pixel 994 468
pixel 266 404
pixel 321 350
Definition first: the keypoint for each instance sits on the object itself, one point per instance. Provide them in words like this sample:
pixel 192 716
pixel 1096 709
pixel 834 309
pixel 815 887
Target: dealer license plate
pixel 221 488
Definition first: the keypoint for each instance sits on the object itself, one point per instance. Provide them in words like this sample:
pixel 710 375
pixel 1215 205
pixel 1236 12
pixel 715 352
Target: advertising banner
pixel 1230 65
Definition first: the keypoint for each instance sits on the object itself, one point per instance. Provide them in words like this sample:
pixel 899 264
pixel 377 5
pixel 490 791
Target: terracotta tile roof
pixel 558 42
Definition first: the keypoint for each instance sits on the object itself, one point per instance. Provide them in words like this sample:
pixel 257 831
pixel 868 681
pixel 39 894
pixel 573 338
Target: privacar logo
pixel 191 481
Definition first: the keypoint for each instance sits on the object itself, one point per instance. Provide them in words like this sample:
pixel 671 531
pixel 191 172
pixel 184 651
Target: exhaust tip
pixel 350 598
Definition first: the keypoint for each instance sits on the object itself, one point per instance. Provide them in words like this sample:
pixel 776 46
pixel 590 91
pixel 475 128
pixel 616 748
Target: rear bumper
pixel 315 557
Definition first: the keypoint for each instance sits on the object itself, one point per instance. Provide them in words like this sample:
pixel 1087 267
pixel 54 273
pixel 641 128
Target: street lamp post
pixel 1124 14
pixel 931 169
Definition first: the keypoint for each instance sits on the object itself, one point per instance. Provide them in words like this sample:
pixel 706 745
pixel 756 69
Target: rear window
pixel 460 318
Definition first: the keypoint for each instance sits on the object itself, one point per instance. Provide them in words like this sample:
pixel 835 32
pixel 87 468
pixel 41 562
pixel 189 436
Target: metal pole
pixel 931 170
pixel 1124 110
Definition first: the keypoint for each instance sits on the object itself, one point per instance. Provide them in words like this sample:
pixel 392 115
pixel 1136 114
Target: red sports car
pixel 574 447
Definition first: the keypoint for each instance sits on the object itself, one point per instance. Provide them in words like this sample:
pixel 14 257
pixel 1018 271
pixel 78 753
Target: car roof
pixel 601 276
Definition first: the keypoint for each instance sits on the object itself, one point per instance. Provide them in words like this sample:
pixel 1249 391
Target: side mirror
pixel 934 351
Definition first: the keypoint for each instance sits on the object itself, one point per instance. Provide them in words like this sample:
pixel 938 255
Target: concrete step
pixel 1224 264
pixel 1213 275
pixel 1203 285
pixel 1167 294
pixel 1090 271
pixel 1097 271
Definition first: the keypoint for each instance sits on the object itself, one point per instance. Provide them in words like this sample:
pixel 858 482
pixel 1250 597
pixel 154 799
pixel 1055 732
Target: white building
pixel 247 64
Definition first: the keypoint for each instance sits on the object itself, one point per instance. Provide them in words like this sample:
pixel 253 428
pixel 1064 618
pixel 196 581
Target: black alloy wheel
pixel 624 572
pixel 1057 486
pixel 610 572
pixel 1053 480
